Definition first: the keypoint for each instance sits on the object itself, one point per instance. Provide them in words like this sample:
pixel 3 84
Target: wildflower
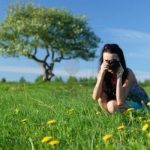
pixel 148 104
pixel 24 120
pixel 121 127
pixel 107 137
pixel 50 122
pixel 130 109
pixel 145 127
pixel 148 135
pixel 54 142
pixel 46 139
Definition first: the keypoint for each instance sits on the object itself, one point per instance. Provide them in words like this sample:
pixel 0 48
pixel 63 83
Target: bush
pixel 39 79
pixel 72 79
pixel 3 80
pixel 87 81
pixel 22 80
pixel 58 79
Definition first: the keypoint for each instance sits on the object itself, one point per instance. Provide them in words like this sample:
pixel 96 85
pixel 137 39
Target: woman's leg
pixel 112 106
pixel 102 104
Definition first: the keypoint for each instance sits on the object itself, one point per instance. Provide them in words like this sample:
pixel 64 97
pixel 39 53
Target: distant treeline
pixel 71 79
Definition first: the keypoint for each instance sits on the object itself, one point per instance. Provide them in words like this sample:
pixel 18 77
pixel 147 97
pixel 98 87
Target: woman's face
pixel 109 56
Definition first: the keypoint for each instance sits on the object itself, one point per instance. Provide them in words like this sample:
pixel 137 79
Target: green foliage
pixel 3 80
pixel 88 81
pixel 22 80
pixel 80 124
pixel 27 27
pixel 39 79
pixel 145 82
pixel 72 80
pixel 58 79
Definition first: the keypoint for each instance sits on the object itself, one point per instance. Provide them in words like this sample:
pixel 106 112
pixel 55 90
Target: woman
pixel 116 87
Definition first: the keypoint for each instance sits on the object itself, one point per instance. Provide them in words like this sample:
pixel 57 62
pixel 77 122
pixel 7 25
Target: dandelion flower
pixel 145 127
pixel 46 139
pixel 148 104
pixel 107 137
pixel 121 127
pixel 54 142
pixel 130 109
pixel 49 122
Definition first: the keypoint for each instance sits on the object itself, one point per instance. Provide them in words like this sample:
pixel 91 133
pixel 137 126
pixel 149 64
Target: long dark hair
pixel 113 49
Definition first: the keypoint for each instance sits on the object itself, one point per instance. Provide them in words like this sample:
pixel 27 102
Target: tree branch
pixel 47 55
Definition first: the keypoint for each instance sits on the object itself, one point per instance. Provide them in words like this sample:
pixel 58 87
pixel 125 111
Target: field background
pixel 79 124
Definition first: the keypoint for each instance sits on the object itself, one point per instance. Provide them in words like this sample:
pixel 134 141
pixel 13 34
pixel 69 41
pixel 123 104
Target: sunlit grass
pixel 68 119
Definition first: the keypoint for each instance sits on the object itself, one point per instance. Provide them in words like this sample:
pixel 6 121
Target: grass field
pixel 67 113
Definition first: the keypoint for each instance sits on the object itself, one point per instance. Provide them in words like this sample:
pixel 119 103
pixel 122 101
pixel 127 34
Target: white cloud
pixel 130 35
pixel 16 69
pixel 58 72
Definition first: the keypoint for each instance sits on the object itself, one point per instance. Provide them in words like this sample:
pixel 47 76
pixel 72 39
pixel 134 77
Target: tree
pixel 46 35
pixel 22 80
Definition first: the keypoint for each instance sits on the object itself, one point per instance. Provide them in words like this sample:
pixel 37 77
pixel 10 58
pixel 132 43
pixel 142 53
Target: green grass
pixel 82 128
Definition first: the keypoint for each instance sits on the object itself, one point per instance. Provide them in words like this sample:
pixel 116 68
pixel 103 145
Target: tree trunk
pixel 48 71
pixel 48 75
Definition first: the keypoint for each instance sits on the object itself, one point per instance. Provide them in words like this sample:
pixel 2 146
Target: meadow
pixel 59 116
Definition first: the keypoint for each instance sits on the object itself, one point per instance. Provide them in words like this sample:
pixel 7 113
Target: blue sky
pixel 126 23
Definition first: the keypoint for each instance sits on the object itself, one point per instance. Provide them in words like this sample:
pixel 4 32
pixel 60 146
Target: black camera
pixel 114 65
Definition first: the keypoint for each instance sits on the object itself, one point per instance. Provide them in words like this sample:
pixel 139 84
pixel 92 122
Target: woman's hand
pixel 120 71
pixel 104 68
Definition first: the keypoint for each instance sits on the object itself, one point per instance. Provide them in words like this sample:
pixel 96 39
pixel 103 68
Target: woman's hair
pixel 113 49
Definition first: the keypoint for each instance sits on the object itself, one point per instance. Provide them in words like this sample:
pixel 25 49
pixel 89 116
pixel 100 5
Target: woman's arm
pixel 97 92
pixel 98 89
pixel 123 90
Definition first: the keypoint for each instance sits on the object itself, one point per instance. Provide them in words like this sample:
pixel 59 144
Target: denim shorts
pixel 132 104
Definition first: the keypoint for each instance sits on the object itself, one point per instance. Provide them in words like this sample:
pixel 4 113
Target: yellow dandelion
pixel 24 120
pixel 148 104
pixel 54 142
pixel 145 127
pixel 148 135
pixel 121 127
pixel 130 109
pixel 50 122
pixel 107 137
pixel 46 139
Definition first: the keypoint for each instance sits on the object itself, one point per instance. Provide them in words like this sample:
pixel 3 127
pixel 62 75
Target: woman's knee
pixel 112 106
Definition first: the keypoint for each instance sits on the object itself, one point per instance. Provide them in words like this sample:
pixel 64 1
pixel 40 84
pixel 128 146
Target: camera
pixel 114 65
